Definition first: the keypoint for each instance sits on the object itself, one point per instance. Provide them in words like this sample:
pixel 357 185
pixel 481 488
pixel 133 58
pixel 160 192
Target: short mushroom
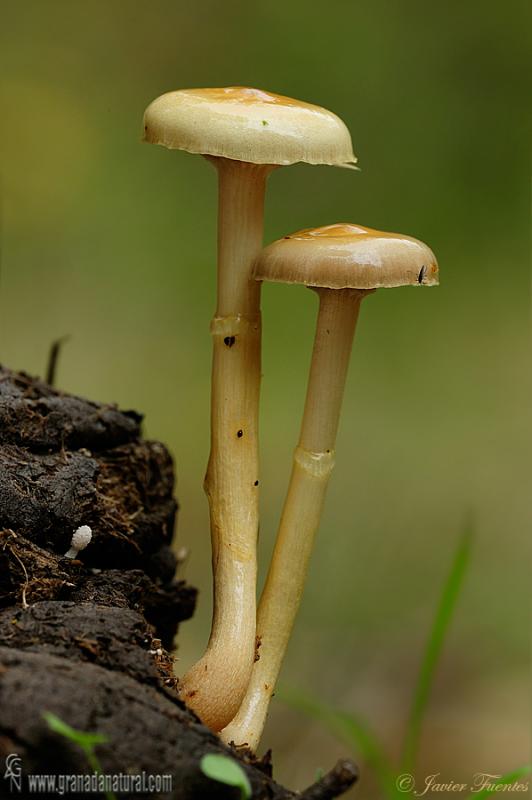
pixel 80 539
pixel 245 133
pixel 343 263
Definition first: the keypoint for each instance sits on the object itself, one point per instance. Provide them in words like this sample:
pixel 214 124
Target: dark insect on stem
pixel 229 340
pixel 422 273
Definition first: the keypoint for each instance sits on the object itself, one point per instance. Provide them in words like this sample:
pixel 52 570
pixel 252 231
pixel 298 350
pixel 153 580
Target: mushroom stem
pixel 312 467
pixel 215 686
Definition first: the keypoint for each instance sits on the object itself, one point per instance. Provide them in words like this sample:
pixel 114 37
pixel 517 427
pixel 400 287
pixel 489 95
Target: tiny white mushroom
pixel 80 539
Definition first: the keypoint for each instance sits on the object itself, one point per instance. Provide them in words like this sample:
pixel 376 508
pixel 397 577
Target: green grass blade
pixel 433 650
pixel 81 738
pixel 352 730
pixel 510 777
pixel 86 741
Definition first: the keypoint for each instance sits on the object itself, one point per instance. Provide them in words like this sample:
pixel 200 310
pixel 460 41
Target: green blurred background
pixel 113 243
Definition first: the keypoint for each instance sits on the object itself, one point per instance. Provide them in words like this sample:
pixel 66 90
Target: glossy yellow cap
pixel 346 256
pixel 248 125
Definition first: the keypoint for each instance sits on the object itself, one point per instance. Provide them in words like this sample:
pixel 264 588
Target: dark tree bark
pixel 89 639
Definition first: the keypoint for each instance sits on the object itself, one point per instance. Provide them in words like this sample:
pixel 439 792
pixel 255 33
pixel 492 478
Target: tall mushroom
pixel 245 133
pixel 343 263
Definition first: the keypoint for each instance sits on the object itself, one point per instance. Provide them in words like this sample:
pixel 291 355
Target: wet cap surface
pixel 345 256
pixel 249 125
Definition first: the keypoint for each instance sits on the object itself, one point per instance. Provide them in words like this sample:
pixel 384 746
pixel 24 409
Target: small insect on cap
pixel 248 125
pixel 346 256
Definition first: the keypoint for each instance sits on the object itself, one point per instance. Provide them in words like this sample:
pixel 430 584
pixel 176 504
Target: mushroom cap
pixel 346 256
pixel 248 125
pixel 81 537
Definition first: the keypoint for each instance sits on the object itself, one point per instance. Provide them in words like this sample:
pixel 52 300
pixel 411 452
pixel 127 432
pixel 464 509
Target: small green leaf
pixel 225 770
pixel 81 738
pixel 85 741
pixel 265 122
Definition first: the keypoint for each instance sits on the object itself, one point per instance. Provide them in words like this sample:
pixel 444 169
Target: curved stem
pixel 215 685
pixel 313 464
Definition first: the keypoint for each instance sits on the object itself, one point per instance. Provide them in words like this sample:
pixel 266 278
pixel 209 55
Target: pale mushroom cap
pixel 81 538
pixel 248 125
pixel 348 256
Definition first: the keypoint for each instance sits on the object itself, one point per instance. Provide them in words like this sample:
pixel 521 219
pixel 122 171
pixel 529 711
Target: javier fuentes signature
pixel 481 781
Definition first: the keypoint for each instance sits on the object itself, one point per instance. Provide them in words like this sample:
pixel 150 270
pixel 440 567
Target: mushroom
pixel 245 133
pixel 343 263
pixel 80 539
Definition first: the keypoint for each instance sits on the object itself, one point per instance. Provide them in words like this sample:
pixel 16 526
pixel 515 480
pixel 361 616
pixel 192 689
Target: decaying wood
pixel 89 639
